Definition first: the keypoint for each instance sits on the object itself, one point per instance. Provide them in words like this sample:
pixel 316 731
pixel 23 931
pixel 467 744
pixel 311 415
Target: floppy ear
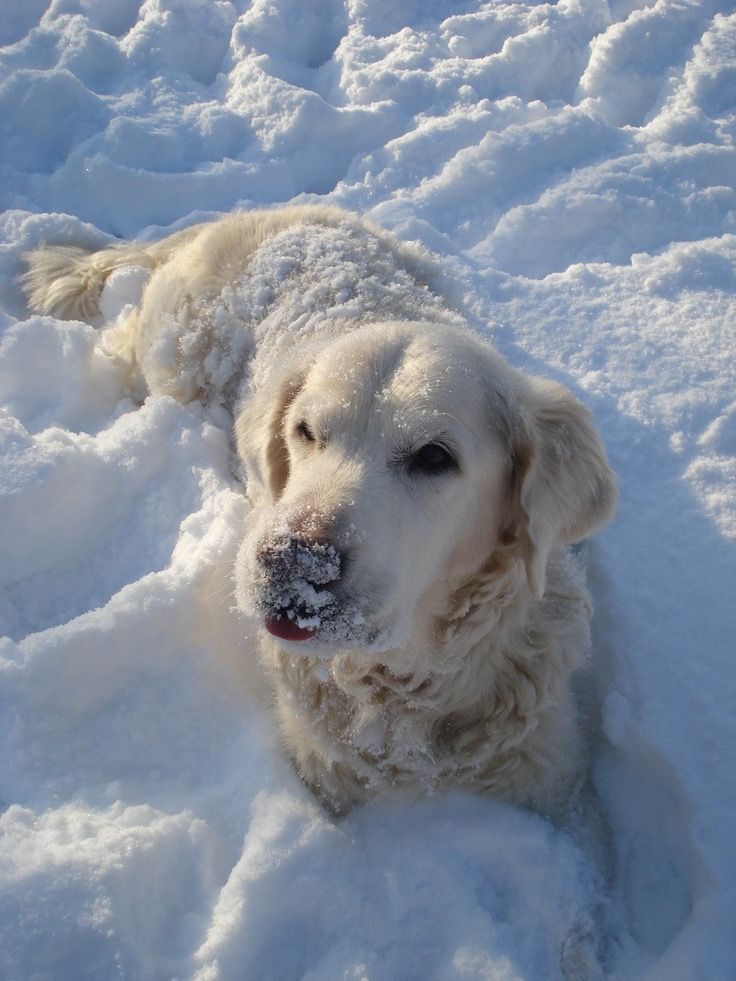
pixel 259 436
pixel 562 487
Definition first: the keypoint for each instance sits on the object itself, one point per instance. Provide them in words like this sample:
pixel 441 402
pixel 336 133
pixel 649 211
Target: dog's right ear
pixel 562 489
pixel 259 435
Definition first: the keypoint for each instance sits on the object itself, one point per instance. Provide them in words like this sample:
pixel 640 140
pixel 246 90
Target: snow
pixel 574 165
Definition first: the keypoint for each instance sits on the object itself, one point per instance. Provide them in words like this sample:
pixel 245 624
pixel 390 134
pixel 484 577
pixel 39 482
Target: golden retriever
pixel 412 496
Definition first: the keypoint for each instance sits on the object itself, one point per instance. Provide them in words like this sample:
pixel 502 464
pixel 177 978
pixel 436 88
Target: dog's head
pixel 388 466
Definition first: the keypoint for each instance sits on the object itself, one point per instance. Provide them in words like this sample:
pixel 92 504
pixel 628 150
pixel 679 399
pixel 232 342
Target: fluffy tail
pixel 66 281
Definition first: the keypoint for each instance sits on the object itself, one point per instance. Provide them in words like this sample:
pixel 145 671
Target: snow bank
pixel 574 164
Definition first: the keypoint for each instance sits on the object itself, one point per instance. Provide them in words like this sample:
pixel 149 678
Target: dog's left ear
pixel 562 485
pixel 259 436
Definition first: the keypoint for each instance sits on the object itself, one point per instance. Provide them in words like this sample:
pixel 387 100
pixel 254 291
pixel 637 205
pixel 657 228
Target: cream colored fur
pixel 466 616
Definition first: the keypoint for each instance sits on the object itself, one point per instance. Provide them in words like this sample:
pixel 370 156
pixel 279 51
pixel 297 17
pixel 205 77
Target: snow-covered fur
pixel 412 496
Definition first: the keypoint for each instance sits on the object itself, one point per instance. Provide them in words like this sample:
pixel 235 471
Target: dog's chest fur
pixel 483 711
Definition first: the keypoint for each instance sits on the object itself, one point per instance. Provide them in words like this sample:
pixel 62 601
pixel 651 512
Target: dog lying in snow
pixel 412 496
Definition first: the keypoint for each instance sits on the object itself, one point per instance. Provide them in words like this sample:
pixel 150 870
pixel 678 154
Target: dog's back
pixel 66 281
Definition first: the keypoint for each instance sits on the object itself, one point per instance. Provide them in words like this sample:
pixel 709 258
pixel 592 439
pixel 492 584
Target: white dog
pixel 411 495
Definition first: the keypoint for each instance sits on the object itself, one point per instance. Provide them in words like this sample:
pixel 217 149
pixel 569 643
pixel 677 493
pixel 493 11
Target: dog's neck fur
pixel 486 706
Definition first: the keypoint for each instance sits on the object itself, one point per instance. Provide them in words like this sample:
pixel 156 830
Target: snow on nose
pixel 297 572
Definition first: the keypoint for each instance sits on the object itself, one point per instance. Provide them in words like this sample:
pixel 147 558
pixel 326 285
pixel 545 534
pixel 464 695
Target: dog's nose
pixel 294 555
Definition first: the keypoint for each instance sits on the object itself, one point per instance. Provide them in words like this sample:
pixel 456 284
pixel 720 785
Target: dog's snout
pixel 316 562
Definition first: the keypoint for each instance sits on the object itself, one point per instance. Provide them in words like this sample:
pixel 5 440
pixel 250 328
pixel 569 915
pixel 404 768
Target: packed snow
pixel 574 166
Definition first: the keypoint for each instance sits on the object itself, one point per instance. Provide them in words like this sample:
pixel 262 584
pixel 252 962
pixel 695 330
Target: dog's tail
pixel 66 281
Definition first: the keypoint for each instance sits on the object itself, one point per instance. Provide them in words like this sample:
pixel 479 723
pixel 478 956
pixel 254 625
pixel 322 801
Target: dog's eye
pixel 304 432
pixel 431 459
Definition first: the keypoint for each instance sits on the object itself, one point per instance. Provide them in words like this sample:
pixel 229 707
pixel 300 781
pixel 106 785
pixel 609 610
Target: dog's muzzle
pixel 295 594
pixel 299 588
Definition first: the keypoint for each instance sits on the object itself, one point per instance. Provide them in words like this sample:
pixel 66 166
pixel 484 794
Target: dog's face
pixel 387 466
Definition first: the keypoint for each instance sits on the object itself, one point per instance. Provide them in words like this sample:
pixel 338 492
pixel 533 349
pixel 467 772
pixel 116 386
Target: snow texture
pixel 574 165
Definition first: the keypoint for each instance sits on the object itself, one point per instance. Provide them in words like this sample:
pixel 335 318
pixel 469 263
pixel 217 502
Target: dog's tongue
pixel 286 629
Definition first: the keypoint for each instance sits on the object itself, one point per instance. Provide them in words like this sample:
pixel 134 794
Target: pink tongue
pixel 286 629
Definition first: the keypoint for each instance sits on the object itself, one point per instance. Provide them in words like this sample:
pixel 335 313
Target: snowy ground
pixel 576 165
